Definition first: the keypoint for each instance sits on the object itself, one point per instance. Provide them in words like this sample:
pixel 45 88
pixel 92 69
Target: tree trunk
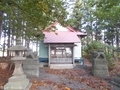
pixel 28 43
pixel 37 45
pixel 8 41
pixel 117 38
pixel 1 17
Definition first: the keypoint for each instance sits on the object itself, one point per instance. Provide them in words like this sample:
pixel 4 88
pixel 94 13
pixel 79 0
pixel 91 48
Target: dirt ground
pixel 79 78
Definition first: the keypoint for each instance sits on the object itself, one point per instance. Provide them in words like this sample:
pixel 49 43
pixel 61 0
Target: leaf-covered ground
pixel 73 79
pixel 79 78
pixel 4 75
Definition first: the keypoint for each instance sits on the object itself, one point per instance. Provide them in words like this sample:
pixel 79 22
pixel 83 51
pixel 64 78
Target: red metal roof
pixel 61 37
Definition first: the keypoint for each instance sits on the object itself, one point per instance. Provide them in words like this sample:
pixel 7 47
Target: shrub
pixel 98 46
pixel 94 46
pixel 110 60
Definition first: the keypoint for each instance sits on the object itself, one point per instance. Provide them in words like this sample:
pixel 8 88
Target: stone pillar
pixel 99 65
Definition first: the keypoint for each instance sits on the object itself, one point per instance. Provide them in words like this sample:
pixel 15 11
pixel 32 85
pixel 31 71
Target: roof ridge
pixel 71 28
pixel 50 26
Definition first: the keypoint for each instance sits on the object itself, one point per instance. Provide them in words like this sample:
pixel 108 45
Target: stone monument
pixel 18 81
pixel 99 64
pixel 31 64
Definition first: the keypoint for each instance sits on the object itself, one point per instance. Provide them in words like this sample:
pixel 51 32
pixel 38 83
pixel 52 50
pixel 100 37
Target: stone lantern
pixel 18 81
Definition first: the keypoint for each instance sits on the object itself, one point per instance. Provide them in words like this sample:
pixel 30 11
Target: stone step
pixel 43 64
pixel 25 66
pixel 31 72
pixel 61 66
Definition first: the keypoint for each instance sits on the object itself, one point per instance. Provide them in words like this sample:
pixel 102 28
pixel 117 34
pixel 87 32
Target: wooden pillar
pixel 73 56
pixel 49 56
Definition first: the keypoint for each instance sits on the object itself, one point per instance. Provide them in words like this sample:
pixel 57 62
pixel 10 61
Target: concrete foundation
pixel 61 66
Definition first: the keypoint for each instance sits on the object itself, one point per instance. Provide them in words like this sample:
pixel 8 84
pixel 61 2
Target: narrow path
pixel 60 80
pixel 79 78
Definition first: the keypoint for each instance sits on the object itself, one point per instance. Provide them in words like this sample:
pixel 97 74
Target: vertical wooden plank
pixel 49 56
pixel 73 56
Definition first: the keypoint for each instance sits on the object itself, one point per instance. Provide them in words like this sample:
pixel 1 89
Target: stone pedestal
pixel 18 83
pixel 31 67
pixel 100 65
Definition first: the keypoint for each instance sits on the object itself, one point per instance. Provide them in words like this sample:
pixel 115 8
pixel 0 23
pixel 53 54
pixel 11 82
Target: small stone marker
pixel 31 64
pixel 99 65
pixel 116 80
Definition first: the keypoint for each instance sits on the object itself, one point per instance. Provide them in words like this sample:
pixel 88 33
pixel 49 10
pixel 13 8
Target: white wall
pixel 61 28
pixel 77 51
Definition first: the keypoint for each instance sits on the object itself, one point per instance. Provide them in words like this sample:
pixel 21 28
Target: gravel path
pixel 61 79
pixel 50 79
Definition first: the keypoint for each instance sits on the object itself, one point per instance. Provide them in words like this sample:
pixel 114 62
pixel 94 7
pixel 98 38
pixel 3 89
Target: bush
pixel 110 60
pixel 94 46
pixel 98 46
